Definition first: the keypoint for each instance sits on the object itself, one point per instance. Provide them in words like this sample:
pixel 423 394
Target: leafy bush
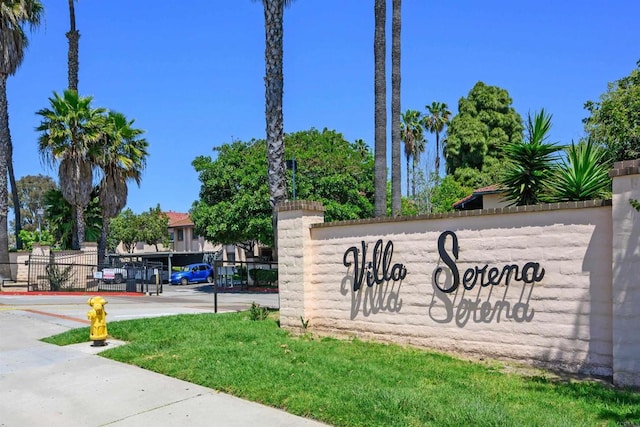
pixel 583 175
pixel 58 276
pixel 531 165
pixel 30 237
pixel 262 277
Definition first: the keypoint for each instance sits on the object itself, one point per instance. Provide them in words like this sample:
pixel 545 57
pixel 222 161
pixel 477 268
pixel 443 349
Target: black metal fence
pixel 62 271
pixel 77 271
pixel 246 274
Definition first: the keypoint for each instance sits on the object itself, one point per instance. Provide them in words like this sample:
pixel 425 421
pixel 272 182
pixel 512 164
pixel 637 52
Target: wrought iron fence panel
pixel 246 274
pixel 77 271
pixel 60 273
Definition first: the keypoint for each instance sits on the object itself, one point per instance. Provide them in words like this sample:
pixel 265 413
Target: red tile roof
pixel 178 219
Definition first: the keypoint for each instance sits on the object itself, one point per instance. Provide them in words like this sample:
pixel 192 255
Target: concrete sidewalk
pixel 46 385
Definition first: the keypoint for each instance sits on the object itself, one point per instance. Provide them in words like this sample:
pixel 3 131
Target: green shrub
pixel 263 277
pixel 59 276
pixel 30 237
pixel 258 312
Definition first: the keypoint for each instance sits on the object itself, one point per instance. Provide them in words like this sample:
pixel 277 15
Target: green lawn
pixel 356 383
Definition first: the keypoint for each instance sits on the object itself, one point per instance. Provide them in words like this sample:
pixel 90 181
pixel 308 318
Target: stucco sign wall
pixel 532 283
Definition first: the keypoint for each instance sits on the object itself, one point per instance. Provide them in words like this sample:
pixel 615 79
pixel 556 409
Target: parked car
pixel 114 274
pixel 193 273
pixel 135 271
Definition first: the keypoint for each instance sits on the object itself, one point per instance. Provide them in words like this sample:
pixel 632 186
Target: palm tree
pixel 396 191
pixel 437 118
pixel 530 162
pixel 73 57
pixel 122 159
pixel 380 94
pixel 274 83
pixel 71 131
pixel 419 146
pixel 14 15
pixel 412 136
pixel 59 217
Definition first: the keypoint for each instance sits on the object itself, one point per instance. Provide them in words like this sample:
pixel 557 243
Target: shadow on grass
pixel 595 393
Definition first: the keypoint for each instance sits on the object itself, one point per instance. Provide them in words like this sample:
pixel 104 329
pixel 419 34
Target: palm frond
pixel 583 175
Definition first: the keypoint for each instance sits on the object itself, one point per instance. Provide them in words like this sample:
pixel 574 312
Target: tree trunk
pixel 5 138
pixel 380 121
pixel 102 243
pixel 75 176
pixel 14 195
pixel 408 175
pixel 80 224
pixel 274 83
pixel 413 175
pixel 73 56
pixel 396 192
pixel 437 153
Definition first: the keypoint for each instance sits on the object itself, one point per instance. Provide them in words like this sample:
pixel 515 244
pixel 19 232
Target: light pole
pixel 39 214
pixel 292 164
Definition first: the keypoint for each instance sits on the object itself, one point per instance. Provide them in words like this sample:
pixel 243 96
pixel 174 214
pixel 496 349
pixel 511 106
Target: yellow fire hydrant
pixel 98 317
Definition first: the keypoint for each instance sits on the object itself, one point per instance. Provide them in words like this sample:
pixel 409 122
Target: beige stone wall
pixel 19 267
pixel 626 273
pixel 296 259
pixel 564 318
pixel 581 315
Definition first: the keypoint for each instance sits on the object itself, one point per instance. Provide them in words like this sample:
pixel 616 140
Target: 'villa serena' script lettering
pixel 485 276
pixel 378 270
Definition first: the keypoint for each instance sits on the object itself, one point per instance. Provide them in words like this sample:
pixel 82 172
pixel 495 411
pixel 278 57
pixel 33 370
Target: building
pixel 489 197
pixel 182 235
pixel 184 240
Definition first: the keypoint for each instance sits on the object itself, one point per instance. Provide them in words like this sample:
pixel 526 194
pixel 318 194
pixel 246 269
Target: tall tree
pixel 31 197
pixel 436 120
pixel 125 229
pixel 73 56
pixel 274 85
pixel 614 120
pixel 61 223
pixel 526 176
pixel 233 205
pixel 413 138
pixel 70 133
pixel 396 176
pixel 419 147
pixel 14 16
pixel 380 95
pixel 485 122
pixel 15 197
pixel 121 160
pixel 154 226
pixel 150 227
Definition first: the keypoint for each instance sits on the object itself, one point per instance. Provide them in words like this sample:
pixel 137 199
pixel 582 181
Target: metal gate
pixel 62 271
pixel 75 271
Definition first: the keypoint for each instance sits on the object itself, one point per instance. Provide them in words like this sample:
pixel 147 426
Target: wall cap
pixel 477 212
pixel 300 205
pixel 625 167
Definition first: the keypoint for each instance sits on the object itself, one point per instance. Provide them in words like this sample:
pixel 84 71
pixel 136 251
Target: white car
pixel 114 274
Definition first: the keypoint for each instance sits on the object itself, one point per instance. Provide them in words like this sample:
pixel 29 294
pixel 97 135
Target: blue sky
pixel 191 73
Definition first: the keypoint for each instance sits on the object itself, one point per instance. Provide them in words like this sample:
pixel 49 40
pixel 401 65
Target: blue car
pixel 193 273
